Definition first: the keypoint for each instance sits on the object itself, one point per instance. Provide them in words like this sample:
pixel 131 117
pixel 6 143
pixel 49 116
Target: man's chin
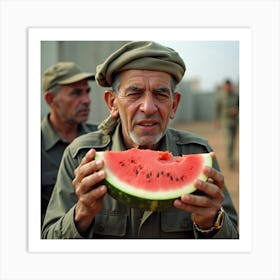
pixel 146 141
pixel 82 118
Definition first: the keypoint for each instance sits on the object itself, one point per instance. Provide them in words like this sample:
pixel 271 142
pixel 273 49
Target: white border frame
pixel 243 35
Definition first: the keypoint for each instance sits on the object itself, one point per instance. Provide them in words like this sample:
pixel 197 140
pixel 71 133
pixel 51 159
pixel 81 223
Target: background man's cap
pixel 64 73
pixel 141 55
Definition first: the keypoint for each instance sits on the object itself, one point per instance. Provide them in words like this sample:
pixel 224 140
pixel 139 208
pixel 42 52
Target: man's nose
pixel 86 98
pixel 148 105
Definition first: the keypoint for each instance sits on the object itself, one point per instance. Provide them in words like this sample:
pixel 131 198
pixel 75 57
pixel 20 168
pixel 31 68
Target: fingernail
pixel 186 198
pixel 177 203
pixel 98 163
pixel 102 189
pixel 198 183
pixel 207 169
pixel 101 173
pixel 89 153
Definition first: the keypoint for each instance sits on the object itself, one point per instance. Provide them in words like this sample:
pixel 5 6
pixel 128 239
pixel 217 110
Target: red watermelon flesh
pixel 147 179
pixel 154 171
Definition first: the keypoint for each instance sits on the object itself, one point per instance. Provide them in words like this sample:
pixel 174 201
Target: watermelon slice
pixel 151 180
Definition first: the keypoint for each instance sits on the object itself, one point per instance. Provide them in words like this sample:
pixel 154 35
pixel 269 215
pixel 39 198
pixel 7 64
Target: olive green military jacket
pixel 52 148
pixel 116 220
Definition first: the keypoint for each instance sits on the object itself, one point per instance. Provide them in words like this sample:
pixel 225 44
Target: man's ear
pixel 110 99
pixel 176 101
pixel 49 98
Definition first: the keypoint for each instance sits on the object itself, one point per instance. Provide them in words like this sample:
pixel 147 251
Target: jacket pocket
pixel 176 224
pixel 110 224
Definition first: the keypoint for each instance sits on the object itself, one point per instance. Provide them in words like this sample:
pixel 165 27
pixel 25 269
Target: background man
pixel 66 91
pixel 227 115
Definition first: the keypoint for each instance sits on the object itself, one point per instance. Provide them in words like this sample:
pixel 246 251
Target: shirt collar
pixel 48 133
pixel 52 136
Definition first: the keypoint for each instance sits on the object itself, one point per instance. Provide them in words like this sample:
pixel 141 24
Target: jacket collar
pixel 48 134
pixel 51 137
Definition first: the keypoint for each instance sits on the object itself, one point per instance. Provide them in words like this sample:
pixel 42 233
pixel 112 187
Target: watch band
pixel 217 224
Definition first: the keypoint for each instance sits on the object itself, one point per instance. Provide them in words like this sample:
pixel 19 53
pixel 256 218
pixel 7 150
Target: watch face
pixel 220 218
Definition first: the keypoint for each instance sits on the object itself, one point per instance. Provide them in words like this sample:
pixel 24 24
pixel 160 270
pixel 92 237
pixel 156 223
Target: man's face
pixel 228 87
pixel 72 103
pixel 145 104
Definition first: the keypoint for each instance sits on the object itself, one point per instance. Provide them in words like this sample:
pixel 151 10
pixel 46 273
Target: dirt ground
pixel 217 142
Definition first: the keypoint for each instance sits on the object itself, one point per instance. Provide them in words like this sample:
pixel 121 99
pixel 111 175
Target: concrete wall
pixel 195 105
pixel 205 106
pixel 88 54
pixel 49 56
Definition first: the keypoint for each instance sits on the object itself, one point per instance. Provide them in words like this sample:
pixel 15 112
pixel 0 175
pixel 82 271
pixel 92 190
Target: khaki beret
pixel 141 55
pixel 64 73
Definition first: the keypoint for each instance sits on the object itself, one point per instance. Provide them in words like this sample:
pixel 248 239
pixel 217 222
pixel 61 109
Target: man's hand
pixel 233 111
pixel 90 193
pixel 204 207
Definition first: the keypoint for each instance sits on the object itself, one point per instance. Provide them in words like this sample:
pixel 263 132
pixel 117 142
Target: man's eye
pixel 162 95
pixel 76 92
pixel 133 94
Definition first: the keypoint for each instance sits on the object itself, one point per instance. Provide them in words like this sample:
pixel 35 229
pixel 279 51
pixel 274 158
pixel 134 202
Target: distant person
pixel 142 99
pixel 227 116
pixel 66 91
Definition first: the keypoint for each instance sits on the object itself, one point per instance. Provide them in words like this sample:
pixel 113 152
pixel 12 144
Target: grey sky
pixel 209 61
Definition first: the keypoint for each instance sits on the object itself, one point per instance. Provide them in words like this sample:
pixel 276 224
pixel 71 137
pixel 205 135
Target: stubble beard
pixel 148 144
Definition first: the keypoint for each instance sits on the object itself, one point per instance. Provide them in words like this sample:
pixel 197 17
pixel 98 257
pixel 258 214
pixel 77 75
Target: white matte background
pixel 242 35
pixel 262 262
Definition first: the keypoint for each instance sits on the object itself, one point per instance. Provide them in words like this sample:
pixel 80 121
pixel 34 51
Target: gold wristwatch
pixel 217 224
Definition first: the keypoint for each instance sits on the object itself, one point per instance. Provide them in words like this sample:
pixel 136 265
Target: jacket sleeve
pixel 229 229
pixel 230 224
pixel 59 219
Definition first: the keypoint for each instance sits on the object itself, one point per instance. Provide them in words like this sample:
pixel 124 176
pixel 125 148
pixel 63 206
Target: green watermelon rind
pixel 148 200
pixel 138 202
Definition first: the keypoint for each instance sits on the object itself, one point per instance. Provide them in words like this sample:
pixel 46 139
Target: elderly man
pixel 143 76
pixel 66 91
